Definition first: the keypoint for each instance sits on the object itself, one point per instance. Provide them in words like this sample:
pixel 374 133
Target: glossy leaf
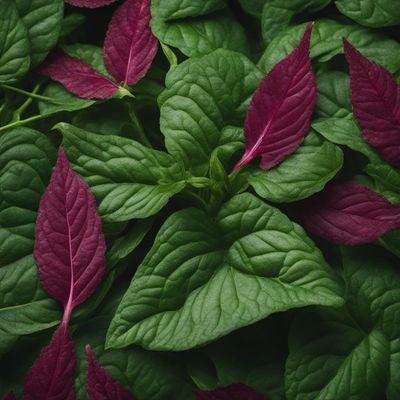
pixel 77 76
pixel 69 244
pixel 89 3
pixel 375 97
pixel 349 213
pixel 52 375
pixel 129 47
pixel 205 277
pixel 128 179
pixel 280 111
pixel 232 392
pixel 100 385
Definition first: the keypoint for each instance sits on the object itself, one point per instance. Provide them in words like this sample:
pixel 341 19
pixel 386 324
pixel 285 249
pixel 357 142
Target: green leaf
pixel 26 161
pixel 201 35
pixel 350 353
pixel 373 13
pixel 326 42
pixel 70 24
pixel 387 180
pixel 128 179
pixel 333 94
pixel 253 7
pixel 300 175
pixel 277 14
pixel 202 97
pixel 205 277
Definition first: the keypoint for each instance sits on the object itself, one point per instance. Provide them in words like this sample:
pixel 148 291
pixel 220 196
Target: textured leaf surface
pixel 373 13
pixel 203 96
pixel 129 47
pixel 52 375
pixel 326 42
pixel 206 277
pixel 128 179
pixel 280 110
pixel 350 353
pixel 300 175
pixel 100 385
pixel 375 97
pixel 232 392
pixel 77 76
pixel 69 243
pixel 387 180
pixel 349 213
pixel 90 3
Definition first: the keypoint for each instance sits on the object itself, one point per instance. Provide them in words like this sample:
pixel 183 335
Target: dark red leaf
pixel 375 97
pixel 77 76
pixel 130 46
pixel 232 392
pixel 9 396
pixel 89 3
pixel 52 375
pixel 100 385
pixel 69 245
pixel 349 213
pixel 279 114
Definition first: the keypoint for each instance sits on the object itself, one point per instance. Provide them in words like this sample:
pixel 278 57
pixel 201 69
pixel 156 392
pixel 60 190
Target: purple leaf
pixel 348 213
pixel 52 375
pixel 69 245
pixel 232 392
pixel 279 114
pixel 9 396
pixel 375 97
pixel 100 386
pixel 129 47
pixel 89 3
pixel 77 76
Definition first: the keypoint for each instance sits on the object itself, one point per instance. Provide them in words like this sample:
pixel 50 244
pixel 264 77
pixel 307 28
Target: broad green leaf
pixel 253 7
pixel 202 97
pixel 277 14
pixel 326 42
pixel 345 131
pixel 333 94
pixel 128 179
pixel 373 13
pixel 300 175
pixel 387 180
pixel 207 276
pixel 26 161
pixel 351 353
pixel 70 24
pixel 201 35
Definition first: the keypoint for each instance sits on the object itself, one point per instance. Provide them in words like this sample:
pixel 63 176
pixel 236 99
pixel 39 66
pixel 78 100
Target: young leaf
pixel 69 245
pixel 279 114
pixel 77 76
pixel 52 375
pixel 89 3
pixel 349 213
pixel 100 385
pixel 236 391
pixel 129 47
pixel 375 97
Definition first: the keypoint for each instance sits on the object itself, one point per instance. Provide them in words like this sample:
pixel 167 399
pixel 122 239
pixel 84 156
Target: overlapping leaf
pixel 232 392
pixel 89 3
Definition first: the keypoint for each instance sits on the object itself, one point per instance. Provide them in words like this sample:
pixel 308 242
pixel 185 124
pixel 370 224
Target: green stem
pixel 17 113
pixel 21 122
pixel 29 94
pixel 138 126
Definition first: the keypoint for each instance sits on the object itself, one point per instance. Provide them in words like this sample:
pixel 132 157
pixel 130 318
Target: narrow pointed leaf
pixel 77 76
pixel 52 375
pixel 69 246
pixel 375 97
pixel 129 47
pixel 89 3
pixel 9 396
pixel 100 385
pixel 279 114
pixel 349 213
pixel 232 392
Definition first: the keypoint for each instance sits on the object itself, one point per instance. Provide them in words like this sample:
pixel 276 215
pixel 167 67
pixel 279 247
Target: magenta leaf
pixel 100 385
pixel 77 76
pixel 9 396
pixel 69 245
pixel 236 391
pixel 129 47
pixel 279 114
pixel 89 3
pixel 375 97
pixel 52 375
pixel 348 213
